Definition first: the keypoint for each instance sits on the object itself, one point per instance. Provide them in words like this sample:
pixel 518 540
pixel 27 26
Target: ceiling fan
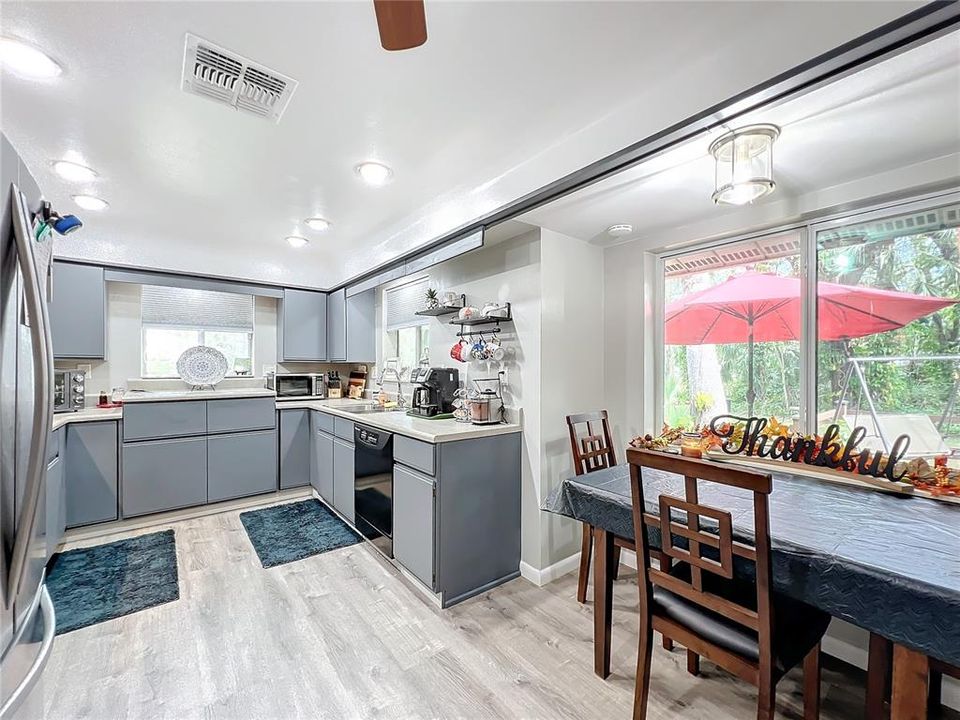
pixel 402 23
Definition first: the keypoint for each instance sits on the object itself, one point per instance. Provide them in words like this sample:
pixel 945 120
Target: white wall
pixel 572 353
pixel 508 271
pixel 122 363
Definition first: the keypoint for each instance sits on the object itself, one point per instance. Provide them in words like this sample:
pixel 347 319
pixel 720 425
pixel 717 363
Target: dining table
pixel 888 563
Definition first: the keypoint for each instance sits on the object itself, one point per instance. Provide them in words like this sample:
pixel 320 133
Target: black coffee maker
pixel 433 394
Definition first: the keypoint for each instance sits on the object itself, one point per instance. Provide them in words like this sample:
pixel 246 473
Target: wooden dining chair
pixel 701 603
pixel 592 448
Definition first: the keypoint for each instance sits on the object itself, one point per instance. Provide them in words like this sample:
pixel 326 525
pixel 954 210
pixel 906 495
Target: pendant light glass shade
pixel 744 164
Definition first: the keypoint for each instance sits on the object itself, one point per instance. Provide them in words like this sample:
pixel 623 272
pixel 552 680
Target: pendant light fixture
pixel 744 164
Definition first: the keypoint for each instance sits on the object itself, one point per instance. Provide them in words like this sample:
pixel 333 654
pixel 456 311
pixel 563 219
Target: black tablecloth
pixel 889 564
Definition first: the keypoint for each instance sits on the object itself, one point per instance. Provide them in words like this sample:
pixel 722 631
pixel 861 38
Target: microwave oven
pixel 69 388
pixel 297 386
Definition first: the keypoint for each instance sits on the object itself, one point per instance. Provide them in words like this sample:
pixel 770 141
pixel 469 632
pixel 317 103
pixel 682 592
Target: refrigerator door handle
pixel 42 380
pixel 49 631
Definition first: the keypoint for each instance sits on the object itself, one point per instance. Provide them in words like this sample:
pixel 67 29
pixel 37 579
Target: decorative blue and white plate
pixel 202 365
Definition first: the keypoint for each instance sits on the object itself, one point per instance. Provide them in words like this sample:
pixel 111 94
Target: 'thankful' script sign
pixel 829 451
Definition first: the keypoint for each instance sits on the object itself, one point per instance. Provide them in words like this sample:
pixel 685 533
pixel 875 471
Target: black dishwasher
pixel 373 486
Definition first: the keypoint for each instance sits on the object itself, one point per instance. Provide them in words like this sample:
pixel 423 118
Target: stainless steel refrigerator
pixel 27 622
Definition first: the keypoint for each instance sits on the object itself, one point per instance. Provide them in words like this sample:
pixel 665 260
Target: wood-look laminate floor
pixel 342 635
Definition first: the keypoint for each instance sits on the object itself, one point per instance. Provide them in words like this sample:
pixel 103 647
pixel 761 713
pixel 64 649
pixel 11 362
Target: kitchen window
pixel 175 319
pixel 406 334
pixel 853 320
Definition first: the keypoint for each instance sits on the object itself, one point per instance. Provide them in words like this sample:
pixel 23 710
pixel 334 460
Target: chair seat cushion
pixel 797 627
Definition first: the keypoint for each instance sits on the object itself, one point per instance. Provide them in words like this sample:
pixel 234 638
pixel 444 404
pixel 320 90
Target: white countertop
pixel 86 415
pixel 133 396
pixel 431 431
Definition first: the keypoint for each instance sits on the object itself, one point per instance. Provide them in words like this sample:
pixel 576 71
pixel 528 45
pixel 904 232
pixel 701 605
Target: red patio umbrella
pixel 759 307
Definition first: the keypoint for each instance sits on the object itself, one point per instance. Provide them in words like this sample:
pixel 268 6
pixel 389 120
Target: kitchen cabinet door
pixel 302 326
pixel 361 326
pixel 163 475
pixel 294 448
pixel 56 510
pixel 78 311
pixel 321 475
pixel 337 326
pixel 414 503
pixel 90 472
pixel 343 478
pixel 240 465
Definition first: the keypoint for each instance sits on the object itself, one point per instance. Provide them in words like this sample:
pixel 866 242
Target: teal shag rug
pixel 93 584
pixel 285 533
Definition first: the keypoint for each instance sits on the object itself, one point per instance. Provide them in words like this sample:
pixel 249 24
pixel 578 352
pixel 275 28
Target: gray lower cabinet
pixel 321 468
pixel 56 506
pixel 362 326
pixel 90 472
pixel 302 326
pixel 414 500
pixel 78 311
pixel 294 448
pixel 163 475
pixel 149 420
pixel 343 478
pixel 241 464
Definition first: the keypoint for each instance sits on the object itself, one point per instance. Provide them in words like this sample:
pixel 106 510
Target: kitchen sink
pixel 370 409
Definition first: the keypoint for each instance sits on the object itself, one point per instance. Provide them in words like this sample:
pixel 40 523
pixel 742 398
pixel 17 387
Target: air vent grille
pixel 231 79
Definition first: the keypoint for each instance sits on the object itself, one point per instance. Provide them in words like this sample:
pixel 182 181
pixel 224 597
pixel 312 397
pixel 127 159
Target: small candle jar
pixel 690 445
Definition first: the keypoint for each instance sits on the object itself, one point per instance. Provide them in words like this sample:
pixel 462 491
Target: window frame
pixel 420 325
pixel 808 229
pixel 202 332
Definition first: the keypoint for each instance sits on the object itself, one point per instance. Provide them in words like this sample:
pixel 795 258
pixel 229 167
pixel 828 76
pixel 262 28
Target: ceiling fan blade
pixel 402 23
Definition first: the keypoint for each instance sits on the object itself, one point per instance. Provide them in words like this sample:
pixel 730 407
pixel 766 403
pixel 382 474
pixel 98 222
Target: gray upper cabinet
pixel 337 325
pixel 90 472
pixel 302 326
pixel 362 326
pixel 78 311
pixel 343 478
pixel 294 448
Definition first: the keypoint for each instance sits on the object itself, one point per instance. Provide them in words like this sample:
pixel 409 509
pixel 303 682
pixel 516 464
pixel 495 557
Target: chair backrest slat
pixel 592 450
pixel 680 518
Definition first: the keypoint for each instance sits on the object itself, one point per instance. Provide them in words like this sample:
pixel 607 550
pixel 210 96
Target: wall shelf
pixel 484 320
pixel 443 309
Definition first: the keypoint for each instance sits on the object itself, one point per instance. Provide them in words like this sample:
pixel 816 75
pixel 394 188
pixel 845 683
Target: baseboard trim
pixel 551 572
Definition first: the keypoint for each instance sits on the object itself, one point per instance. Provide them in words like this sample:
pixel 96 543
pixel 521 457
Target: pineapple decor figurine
pixel 432 301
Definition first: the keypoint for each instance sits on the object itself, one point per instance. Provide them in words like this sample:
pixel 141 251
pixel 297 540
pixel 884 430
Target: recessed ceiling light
pixel 27 60
pixel 89 202
pixel 374 173
pixel 619 230
pixel 297 241
pixel 317 223
pixel 74 171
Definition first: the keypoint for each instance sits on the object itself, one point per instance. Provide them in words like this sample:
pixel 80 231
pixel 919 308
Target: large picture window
pixel 886 351
pixel 732 327
pixel 174 319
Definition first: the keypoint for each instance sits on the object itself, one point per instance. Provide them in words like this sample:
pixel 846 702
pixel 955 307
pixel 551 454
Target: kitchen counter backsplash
pixel 176 384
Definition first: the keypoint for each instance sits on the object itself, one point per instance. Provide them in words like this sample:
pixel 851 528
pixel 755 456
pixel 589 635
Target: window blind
pixel 402 302
pixel 187 307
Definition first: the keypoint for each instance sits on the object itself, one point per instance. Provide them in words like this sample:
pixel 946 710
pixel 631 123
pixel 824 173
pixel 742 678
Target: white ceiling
pixel 899 113
pixel 503 98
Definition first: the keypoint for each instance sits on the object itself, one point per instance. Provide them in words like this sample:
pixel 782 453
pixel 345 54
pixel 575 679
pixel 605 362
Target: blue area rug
pixel 103 582
pixel 284 533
